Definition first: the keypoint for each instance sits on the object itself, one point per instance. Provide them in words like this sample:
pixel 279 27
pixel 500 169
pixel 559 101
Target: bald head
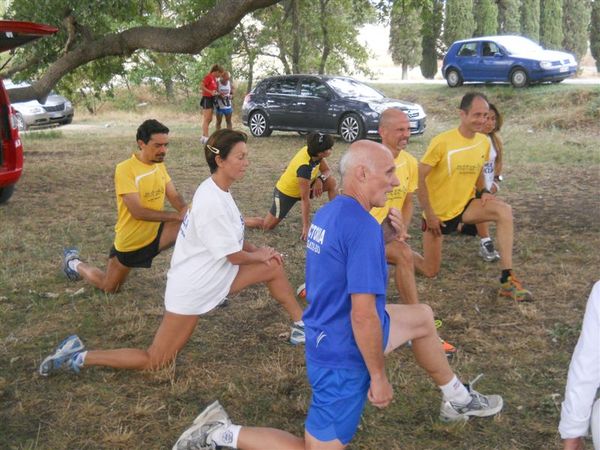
pixel 368 173
pixel 394 129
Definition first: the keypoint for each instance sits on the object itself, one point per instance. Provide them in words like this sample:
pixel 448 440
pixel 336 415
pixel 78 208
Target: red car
pixel 13 34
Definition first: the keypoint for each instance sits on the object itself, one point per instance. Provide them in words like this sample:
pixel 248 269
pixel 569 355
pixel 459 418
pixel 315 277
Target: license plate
pixel 563 69
pixel 413 124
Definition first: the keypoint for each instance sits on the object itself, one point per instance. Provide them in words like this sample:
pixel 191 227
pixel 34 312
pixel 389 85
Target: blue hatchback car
pixel 513 59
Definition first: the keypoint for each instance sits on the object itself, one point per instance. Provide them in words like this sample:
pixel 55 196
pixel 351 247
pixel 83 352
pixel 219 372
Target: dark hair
pixel 317 143
pixel 148 128
pixel 220 144
pixel 216 68
pixel 499 118
pixel 467 100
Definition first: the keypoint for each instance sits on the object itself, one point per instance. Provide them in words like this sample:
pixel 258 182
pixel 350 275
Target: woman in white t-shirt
pixel 211 260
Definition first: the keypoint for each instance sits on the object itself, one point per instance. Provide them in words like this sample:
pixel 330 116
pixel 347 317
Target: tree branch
pixel 189 39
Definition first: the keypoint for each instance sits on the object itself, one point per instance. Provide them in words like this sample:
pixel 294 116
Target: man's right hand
pixel 381 392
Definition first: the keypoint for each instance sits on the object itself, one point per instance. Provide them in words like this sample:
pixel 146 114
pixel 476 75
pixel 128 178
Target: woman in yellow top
pixel 307 176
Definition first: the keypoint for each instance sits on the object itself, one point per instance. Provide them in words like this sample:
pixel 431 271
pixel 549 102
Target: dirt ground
pixel 239 353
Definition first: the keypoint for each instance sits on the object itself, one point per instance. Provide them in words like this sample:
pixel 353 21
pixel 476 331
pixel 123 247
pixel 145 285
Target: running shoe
pixel 198 436
pixel 488 252
pixel 449 349
pixel 70 254
pixel 66 352
pixel 513 288
pixel 297 335
pixel 479 406
pixel 301 291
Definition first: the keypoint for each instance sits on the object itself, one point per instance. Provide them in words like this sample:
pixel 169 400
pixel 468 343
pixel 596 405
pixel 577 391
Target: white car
pixel 56 110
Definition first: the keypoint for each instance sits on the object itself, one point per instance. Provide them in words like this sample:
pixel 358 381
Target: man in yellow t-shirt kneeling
pixel 143 228
pixel 451 192
pixel 306 176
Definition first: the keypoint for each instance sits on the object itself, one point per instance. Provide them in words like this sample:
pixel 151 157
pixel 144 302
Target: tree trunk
pixel 296 38
pixel 326 41
pixel 404 72
pixel 188 39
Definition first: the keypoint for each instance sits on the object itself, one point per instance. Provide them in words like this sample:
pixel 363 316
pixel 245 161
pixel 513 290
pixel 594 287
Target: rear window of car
pixel 286 86
pixel 468 49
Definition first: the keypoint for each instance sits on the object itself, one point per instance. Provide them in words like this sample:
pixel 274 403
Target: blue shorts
pixel 338 399
pixel 224 111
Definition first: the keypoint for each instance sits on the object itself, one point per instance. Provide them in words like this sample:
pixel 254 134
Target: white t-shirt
pixel 489 167
pixel 200 276
pixel 224 97
pixel 583 380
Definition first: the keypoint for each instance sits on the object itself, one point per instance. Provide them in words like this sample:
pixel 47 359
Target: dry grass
pixel 239 353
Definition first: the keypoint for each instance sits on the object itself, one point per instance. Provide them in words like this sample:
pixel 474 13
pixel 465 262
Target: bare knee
pixel 399 253
pixel 424 318
pixel 429 271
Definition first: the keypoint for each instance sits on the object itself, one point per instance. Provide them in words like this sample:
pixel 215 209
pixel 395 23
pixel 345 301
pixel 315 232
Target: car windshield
pixel 352 88
pixel 516 45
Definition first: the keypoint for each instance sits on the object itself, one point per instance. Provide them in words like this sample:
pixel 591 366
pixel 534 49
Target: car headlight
pixel 378 107
pixel 68 105
pixel 546 65
pixel 34 110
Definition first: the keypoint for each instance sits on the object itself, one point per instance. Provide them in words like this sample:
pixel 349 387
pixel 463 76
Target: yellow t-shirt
pixel 457 163
pixel 301 166
pixel 408 175
pixel 150 181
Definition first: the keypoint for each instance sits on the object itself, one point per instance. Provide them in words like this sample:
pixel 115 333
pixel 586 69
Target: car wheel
pixel 453 78
pixel 21 125
pixel 67 121
pixel 352 128
pixel 6 192
pixel 519 78
pixel 303 133
pixel 259 125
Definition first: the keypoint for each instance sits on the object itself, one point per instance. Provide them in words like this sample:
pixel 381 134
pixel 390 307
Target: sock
pixel 204 139
pixel 227 436
pixel 505 274
pixel 73 264
pixel 299 323
pixel 80 358
pixel 485 239
pixel 456 392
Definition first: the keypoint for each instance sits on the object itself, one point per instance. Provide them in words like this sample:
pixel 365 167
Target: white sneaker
pixel 198 436
pixel 297 335
pixel 488 252
pixel 479 406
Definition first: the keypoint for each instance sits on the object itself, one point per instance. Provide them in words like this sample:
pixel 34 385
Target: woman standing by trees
pixel 209 90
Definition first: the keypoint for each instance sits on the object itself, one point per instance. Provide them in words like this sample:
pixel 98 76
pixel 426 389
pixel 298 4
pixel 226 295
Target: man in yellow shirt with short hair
pixel 143 228
pixel 451 192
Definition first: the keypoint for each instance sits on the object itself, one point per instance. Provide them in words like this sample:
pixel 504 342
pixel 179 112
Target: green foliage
pixel 405 31
pixel 595 33
pixel 460 23
pixel 315 36
pixel 551 32
pixel 530 19
pixel 486 17
pixel 509 17
pixel 576 21
pixel 432 19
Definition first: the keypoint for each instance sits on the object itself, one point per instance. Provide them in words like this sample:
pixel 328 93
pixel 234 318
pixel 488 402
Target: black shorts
pixel 281 204
pixel 207 102
pixel 451 225
pixel 142 257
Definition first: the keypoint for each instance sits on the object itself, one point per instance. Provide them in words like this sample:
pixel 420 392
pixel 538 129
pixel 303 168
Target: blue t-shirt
pixel 345 255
